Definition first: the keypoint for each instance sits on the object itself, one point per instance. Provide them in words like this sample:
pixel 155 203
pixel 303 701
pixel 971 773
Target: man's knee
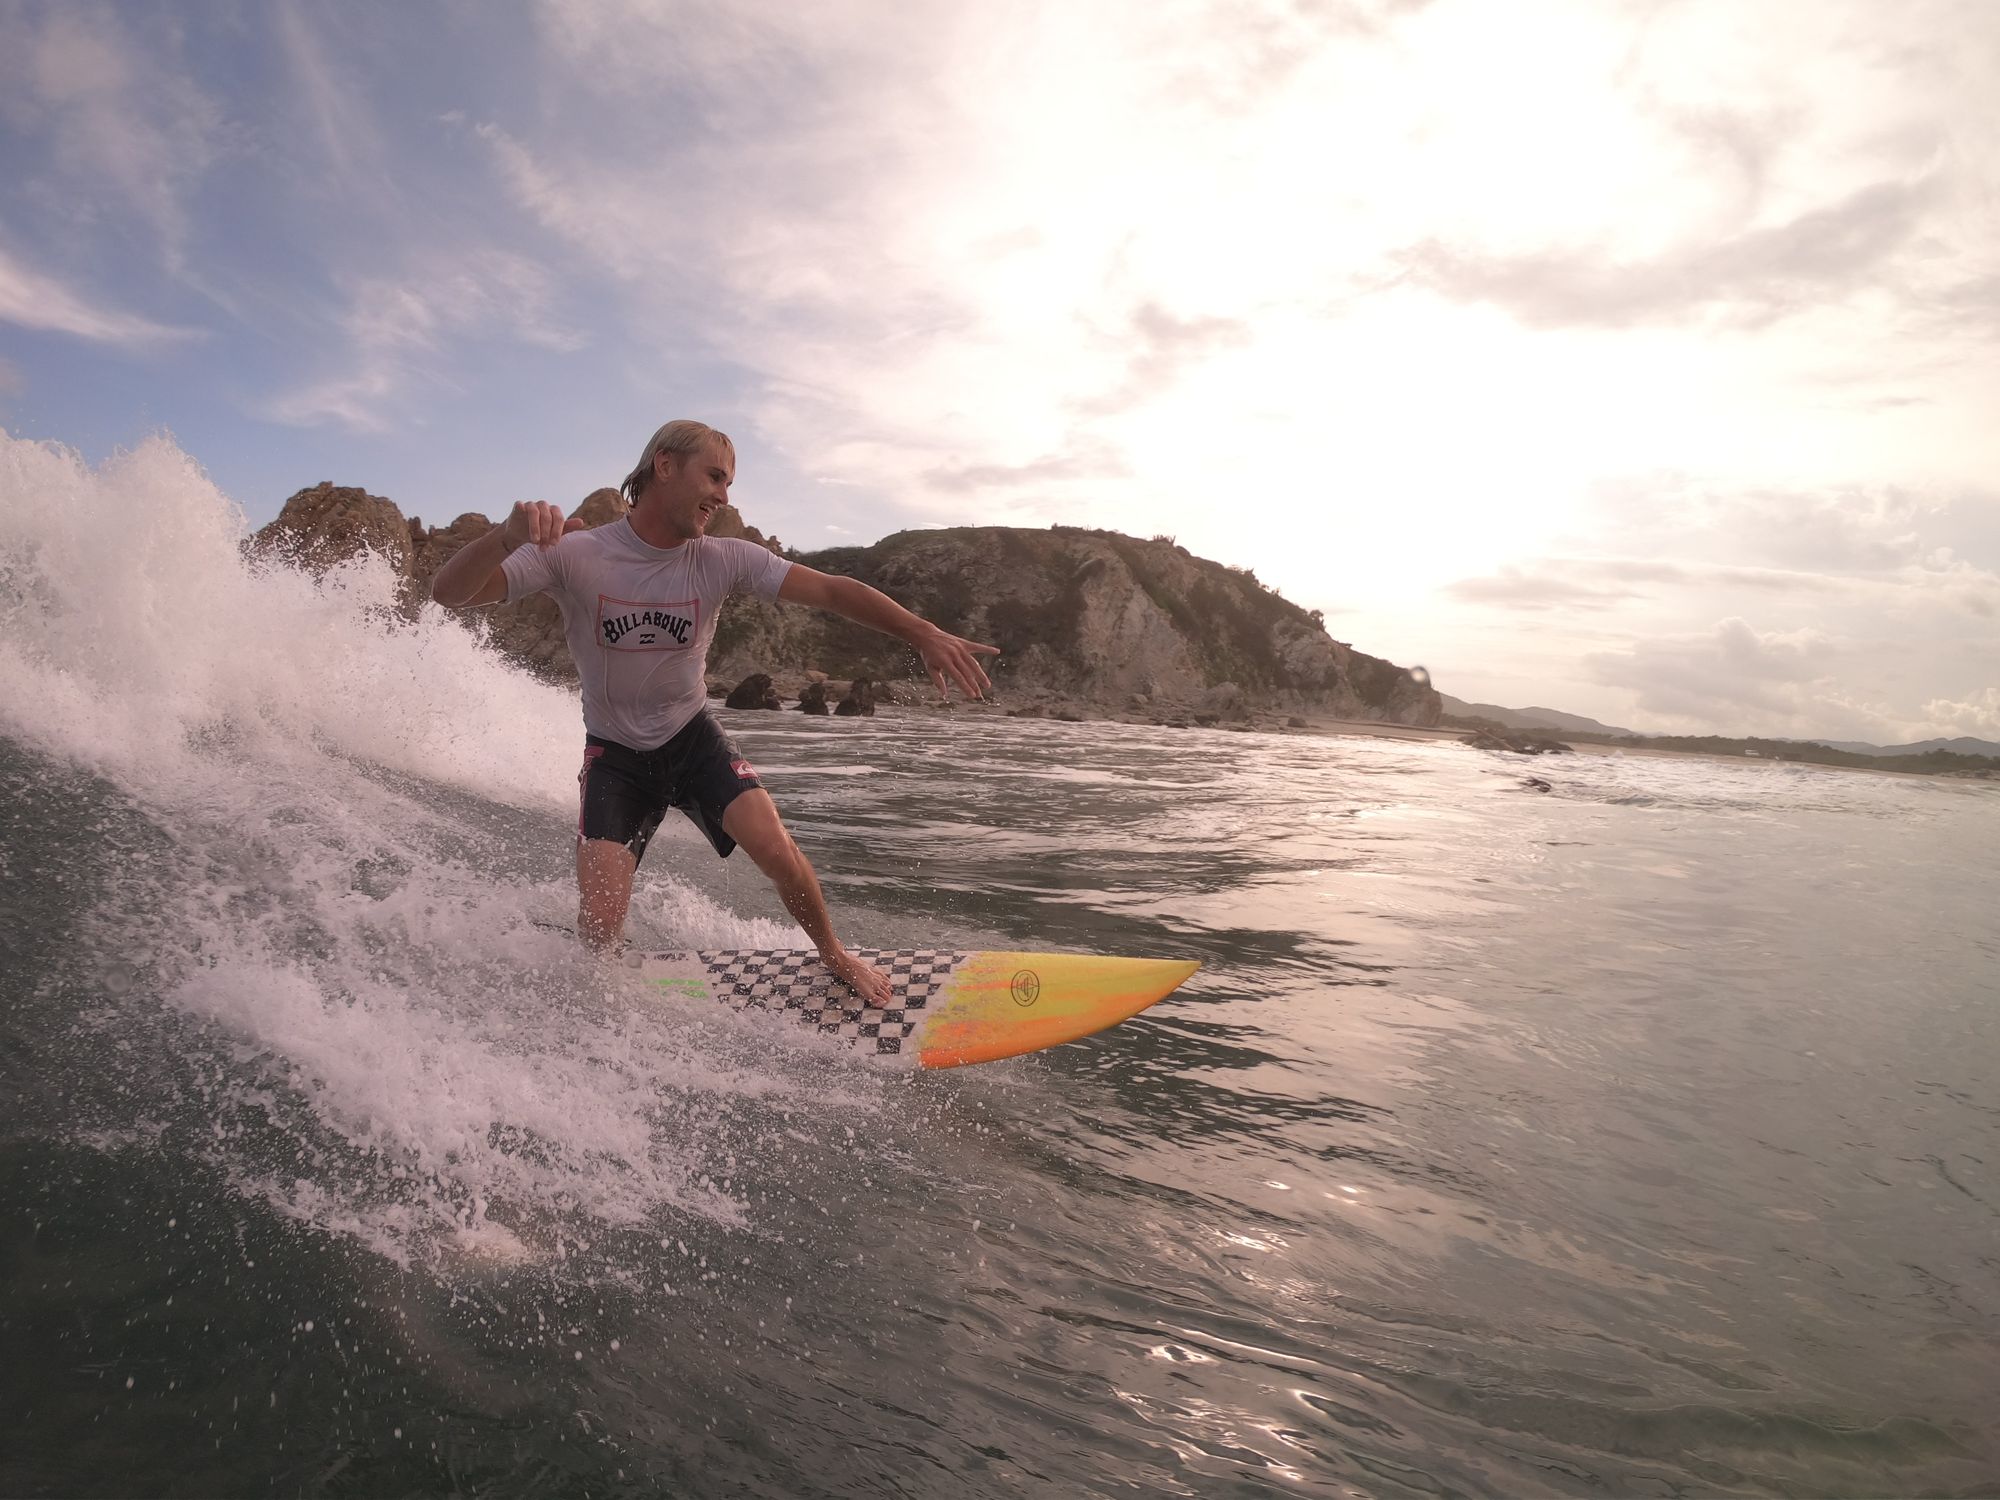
pixel 604 888
pixel 752 821
pixel 604 863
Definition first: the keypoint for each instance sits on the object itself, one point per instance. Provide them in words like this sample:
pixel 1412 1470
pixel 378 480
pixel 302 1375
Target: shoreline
pixel 1381 730
pixel 1377 730
pixel 914 697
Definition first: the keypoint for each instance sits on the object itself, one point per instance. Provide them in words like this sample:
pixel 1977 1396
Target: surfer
pixel 639 600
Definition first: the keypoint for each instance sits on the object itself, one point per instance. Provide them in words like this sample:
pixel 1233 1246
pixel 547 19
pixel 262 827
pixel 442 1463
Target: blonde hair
pixel 680 437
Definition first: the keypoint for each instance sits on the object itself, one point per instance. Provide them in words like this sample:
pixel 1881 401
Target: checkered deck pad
pixel 798 984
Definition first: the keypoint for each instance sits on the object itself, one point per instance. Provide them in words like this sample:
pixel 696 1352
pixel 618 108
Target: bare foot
pixel 867 981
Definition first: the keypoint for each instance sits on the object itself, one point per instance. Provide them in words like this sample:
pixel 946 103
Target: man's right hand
pixel 539 522
pixel 472 575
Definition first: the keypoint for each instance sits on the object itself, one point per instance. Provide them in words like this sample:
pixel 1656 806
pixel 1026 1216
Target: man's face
pixel 693 487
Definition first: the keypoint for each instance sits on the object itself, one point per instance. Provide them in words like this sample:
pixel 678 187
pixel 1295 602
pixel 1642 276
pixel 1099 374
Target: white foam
pixel 133 623
pixel 366 955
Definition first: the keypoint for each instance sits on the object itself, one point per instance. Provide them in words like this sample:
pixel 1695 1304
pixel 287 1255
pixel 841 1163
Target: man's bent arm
pixel 943 652
pixel 472 576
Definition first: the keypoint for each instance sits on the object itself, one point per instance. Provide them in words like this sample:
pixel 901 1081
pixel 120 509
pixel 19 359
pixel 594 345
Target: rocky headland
pixel 1092 624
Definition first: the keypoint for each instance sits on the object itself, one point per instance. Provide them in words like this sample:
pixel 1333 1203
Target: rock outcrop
pixel 859 702
pixel 1086 617
pixel 1090 621
pixel 1517 742
pixel 331 523
pixel 754 691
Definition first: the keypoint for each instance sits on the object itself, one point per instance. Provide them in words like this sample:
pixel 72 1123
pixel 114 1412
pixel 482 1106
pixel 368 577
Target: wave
pixel 318 836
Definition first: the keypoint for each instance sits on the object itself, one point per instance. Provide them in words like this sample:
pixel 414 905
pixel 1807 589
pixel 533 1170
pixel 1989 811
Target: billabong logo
pixel 623 625
pixel 1025 987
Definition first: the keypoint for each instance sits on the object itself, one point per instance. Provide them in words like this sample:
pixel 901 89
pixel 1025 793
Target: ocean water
pixel 1638 1138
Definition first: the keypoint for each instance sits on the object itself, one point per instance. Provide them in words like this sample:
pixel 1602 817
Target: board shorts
pixel 622 793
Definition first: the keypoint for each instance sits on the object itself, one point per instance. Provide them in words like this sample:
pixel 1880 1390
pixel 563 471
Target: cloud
pixel 333 106
pixel 1764 681
pixel 1776 656
pixel 361 401
pixel 127 131
pixel 482 289
pixel 1249 51
pixel 1745 279
pixel 1050 468
pixel 1543 586
pixel 1602 582
pixel 1798 683
pixel 1672 168
pixel 31 299
pixel 1972 304
pixel 1835 530
pixel 1978 715
pixel 1158 346
pixel 398 332
pixel 956 256
pixel 1889 594
pixel 950 238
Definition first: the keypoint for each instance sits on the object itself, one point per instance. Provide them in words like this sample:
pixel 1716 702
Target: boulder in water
pixel 1516 742
pixel 754 691
pixel 860 699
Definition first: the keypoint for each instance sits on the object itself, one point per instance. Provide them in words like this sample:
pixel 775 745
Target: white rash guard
pixel 640 618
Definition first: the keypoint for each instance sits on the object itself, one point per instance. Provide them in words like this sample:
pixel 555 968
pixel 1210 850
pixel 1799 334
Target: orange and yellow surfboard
pixel 950 1008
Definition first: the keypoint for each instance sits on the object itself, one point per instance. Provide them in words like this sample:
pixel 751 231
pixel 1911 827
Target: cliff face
pixel 1086 617
pixel 1093 616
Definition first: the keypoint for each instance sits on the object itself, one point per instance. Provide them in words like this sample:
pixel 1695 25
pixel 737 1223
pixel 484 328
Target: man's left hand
pixel 952 658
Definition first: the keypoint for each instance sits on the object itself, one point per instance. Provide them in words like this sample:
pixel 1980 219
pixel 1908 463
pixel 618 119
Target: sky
pixel 1640 360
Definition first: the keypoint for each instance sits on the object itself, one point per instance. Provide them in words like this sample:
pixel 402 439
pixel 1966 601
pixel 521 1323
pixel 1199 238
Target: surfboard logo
pixel 1025 987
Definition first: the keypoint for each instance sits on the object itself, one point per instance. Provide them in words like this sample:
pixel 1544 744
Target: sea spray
pixel 318 837
pixel 135 623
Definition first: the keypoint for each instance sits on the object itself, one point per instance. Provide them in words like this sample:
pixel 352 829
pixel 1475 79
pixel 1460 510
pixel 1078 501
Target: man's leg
pixel 752 820
pixel 604 889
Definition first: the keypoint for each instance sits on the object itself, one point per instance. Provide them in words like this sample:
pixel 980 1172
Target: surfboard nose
pixel 1002 1004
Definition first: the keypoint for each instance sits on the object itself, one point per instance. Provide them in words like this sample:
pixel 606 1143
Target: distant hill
pixel 1965 744
pixel 1549 718
pixel 1527 718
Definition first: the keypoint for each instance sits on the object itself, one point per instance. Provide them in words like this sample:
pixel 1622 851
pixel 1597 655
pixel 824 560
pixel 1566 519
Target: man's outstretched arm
pixel 946 656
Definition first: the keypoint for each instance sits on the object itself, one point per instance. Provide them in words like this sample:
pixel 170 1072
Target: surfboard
pixel 949 1008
